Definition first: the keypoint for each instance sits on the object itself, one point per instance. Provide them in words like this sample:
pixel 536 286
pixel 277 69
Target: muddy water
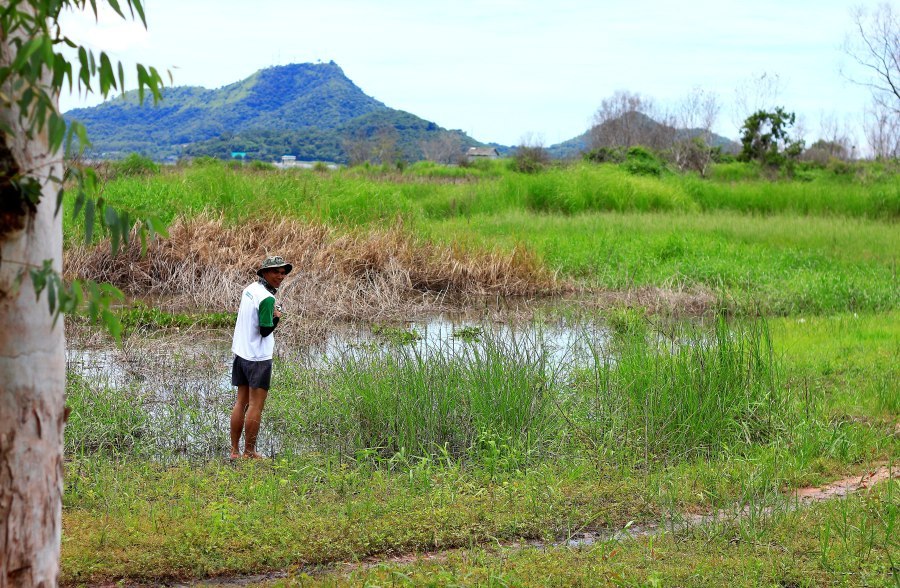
pixel 178 386
pixel 149 362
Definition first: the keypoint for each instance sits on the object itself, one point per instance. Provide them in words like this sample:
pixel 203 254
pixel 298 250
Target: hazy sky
pixel 500 69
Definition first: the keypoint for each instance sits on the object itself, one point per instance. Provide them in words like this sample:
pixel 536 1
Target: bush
pixel 643 162
pixel 135 165
pixel 204 161
pixel 605 155
pixel 258 165
pixel 841 168
pixel 530 160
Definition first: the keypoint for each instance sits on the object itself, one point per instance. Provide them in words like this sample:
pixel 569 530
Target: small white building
pixel 476 153
pixel 288 160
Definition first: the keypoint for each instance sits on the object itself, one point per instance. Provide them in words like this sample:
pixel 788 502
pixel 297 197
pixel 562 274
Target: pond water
pixel 149 362
pixel 177 389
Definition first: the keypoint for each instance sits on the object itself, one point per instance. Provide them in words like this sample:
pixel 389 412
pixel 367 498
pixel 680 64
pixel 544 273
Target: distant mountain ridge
pixel 311 111
pixel 308 110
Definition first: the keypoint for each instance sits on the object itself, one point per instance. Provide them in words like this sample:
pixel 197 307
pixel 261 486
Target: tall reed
pixel 690 394
pixel 638 395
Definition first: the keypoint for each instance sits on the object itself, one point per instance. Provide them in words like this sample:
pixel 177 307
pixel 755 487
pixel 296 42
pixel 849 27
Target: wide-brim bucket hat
pixel 273 262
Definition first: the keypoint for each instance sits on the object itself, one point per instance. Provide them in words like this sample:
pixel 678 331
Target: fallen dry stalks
pixel 380 274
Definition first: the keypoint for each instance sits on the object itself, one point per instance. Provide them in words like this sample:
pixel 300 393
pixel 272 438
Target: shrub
pixel 605 155
pixel 841 168
pixel 530 160
pixel 258 165
pixel 643 162
pixel 135 165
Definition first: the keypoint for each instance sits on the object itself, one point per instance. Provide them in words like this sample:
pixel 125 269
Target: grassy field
pixel 394 452
pixel 821 245
pixel 499 434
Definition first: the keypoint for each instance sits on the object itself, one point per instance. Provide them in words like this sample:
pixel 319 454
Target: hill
pixel 644 129
pixel 312 111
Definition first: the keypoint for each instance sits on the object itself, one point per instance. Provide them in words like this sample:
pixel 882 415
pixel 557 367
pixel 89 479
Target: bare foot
pixel 234 455
pixel 252 455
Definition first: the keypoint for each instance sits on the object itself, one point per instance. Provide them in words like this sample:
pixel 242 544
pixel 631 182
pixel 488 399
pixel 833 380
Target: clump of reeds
pixel 691 393
pixel 205 263
pixel 489 395
pixel 635 397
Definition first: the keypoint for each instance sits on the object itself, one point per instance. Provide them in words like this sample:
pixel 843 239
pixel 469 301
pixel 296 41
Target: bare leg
pixel 254 416
pixel 237 418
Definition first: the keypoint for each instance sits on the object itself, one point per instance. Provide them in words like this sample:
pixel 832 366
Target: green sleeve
pixel 267 312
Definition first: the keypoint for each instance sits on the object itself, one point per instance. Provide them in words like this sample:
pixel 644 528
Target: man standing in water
pixel 252 346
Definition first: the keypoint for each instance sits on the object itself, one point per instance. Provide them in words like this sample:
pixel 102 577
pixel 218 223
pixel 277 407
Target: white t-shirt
pixel 247 342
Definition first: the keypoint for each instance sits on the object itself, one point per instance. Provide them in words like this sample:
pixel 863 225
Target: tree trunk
pixel 32 366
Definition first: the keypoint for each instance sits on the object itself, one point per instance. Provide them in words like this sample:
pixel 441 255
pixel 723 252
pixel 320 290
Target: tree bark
pixel 32 365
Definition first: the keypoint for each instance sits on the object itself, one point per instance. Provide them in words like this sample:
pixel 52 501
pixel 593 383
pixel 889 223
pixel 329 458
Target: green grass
pixel 393 450
pixel 845 543
pixel 126 519
pixel 782 264
pixel 644 396
pixel 821 246
pixel 483 439
pixel 852 360
pixel 424 192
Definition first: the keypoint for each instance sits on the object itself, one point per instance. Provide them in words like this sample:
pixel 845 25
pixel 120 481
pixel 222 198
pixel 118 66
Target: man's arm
pixel 268 316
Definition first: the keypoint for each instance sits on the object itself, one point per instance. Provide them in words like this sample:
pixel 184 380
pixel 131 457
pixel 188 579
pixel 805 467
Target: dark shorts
pixel 256 374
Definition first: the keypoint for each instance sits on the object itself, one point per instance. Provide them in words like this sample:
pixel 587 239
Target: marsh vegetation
pixel 476 357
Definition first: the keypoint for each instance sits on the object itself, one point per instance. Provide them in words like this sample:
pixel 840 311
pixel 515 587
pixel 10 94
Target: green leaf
pixel 26 51
pixel 125 224
pixel 156 84
pixel 89 221
pixel 79 202
pixel 157 227
pixel 59 198
pixel 51 297
pixel 112 324
pixel 47 54
pixel 142 81
pixel 61 70
pixel 111 218
pixel 139 8
pixel 107 77
pixel 56 132
pixel 84 73
pixel 115 6
pixel 81 132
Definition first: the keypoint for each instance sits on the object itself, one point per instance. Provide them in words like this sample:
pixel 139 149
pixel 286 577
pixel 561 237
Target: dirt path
pixel 797 499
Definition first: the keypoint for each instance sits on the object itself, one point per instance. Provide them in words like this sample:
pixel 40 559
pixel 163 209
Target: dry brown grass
pixel 382 274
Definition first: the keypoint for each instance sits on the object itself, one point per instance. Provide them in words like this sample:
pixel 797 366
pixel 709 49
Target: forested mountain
pixel 312 111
